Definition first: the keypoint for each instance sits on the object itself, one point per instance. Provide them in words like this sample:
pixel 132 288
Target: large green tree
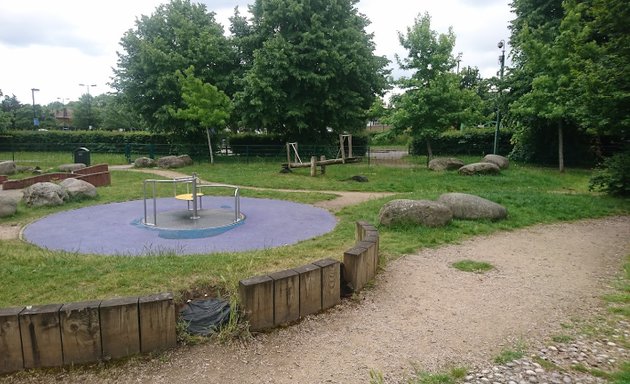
pixel 434 98
pixel 314 69
pixel 177 35
pixel 206 105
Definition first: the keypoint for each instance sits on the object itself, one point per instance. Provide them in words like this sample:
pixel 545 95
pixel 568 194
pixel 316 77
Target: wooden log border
pixel 282 297
pixel 85 332
pixel 55 335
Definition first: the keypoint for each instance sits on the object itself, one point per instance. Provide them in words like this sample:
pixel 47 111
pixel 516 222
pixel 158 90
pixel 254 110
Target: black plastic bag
pixel 204 317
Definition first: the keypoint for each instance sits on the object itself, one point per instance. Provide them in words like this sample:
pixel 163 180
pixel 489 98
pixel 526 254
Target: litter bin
pixel 82 155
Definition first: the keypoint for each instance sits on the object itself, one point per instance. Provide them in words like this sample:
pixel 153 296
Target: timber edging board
pixel 285 296
pixel 85 332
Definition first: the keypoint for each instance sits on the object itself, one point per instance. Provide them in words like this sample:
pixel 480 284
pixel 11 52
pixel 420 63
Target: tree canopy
pixel 177 35
pixel 313 71
pixel 435 98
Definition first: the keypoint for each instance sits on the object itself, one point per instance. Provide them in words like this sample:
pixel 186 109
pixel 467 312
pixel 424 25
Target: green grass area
pixel 31 275
pixel 51 160
pixel 472 266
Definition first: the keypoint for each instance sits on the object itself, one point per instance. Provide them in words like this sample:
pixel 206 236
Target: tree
pixel 205 104
pixel 434 99
pixel 313 72
pixel 86 113
pixel 9 107
pixel 177 35
pixel 115 114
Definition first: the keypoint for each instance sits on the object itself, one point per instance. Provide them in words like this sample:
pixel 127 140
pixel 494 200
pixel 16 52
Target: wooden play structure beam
pixel 294 161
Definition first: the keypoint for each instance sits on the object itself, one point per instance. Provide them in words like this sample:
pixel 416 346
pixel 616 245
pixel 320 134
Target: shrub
pixel 477 141
pixel 613 175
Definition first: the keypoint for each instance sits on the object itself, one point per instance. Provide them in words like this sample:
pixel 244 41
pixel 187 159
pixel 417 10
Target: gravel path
pixel 423 314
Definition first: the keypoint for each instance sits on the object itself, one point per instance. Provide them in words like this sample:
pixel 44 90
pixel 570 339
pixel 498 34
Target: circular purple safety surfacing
pixel 109 229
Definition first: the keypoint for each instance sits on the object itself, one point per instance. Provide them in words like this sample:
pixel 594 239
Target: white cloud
pixel 55 45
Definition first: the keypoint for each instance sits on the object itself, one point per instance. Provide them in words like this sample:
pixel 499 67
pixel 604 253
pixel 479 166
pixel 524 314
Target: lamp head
pixel 500 44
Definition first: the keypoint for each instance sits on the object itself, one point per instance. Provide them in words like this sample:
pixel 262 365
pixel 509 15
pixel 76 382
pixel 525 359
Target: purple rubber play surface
pixel 114 229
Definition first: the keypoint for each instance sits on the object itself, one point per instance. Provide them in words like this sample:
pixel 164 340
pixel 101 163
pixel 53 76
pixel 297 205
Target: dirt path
pixel 421 313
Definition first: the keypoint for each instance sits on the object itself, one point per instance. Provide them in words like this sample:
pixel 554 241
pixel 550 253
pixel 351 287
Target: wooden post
pixel 370 259
pixel 80 332
pixel 286 296
pixel 349 145
pixel 157 322
pixel 331 282
pixel 313 165
pixel 288 156
pixel 120 330
pixel 323 165
pixel 355 267
pixel 41 336
pixel 310 289
pixel 342 149
pixel 10 342
pixel 256 294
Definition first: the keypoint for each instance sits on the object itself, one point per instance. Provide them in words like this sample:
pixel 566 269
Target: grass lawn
pixel 31 275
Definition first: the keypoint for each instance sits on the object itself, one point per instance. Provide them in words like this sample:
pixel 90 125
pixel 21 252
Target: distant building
pixel 377 126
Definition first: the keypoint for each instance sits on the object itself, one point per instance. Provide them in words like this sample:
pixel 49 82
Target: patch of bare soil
pixel 421 313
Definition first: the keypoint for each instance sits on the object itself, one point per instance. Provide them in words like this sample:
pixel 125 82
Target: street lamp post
pixel 501 46
pixel 35 119
pixel 87 87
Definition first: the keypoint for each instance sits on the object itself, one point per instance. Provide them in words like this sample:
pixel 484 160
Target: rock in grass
pixel 79 189
pixel 471 207
pixel 502 162
pixel 445 164
pixel 358 178
pixel 44 194
pixel 8 205
pixel 71 167
pixel 415 212
pixel 480 169
pixel 144 162
pixel 170 162
pixel 7 167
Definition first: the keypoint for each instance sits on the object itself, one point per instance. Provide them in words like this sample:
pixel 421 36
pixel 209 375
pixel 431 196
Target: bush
pixel 471 142
pixel 613 175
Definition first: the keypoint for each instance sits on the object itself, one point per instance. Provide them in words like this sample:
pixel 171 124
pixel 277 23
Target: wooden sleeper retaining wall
pixel 285 296
pixel 97 175
pixel 75 333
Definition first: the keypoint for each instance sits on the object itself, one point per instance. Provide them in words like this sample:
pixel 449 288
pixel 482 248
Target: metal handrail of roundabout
pixel 194 192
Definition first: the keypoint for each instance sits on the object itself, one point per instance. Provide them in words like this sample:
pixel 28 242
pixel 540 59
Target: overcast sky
pixel 56 45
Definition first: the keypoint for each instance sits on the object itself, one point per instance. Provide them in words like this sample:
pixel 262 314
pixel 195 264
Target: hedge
pixel 474 142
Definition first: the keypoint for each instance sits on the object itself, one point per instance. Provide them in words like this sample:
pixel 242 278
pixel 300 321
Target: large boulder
pixel 417 212
pixel 170 162
pixel 445 164
pixel 42 194
pixel 471 207
pixel 502 162
pixel 144 162
pixel 71 167
pixel 79 189
pixel 186 159
pixel 7 167
pixel 8 205
pixel 480 169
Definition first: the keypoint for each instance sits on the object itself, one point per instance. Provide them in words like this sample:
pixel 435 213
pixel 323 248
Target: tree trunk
pixel 210 146
pixel 560 147
pixel 429 151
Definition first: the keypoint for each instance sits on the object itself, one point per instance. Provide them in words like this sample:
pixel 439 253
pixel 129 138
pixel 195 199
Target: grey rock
pixel 170 162
pixel 8 205
pixel 445 164
pixel 79 188
pixel 71 167
pixel 186 159
pixel 43 194
pixel 419 212
pixel 480 169
pixel 471 207
pixel 7 167
pixel 144 162
pixel 359 178
pixel 500 161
